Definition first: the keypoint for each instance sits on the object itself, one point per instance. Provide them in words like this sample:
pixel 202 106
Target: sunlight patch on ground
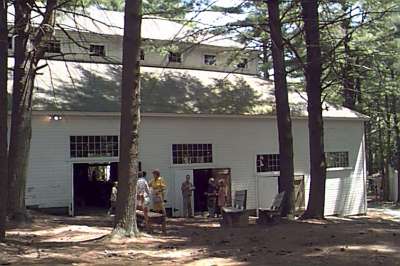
pixel 216 261
pixel 379 248
pixel 71 233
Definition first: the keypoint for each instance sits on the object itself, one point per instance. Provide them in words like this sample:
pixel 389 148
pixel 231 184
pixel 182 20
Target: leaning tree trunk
pixel 3 118
pixel 313 72
pixel 282 110
pixel 125 219
pixel 26 59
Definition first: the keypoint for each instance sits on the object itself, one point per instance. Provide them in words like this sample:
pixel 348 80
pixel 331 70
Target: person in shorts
pixel 143 198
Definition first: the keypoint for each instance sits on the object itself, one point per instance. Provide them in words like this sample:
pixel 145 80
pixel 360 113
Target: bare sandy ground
pixel 57 240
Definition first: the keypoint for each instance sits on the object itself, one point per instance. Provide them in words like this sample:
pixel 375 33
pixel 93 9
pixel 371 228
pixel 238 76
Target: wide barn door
pixel 299 192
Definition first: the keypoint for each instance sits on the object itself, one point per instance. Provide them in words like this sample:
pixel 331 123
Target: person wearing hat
pixel 158 186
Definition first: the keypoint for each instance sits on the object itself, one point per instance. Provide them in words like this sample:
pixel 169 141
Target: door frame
pixel 71 209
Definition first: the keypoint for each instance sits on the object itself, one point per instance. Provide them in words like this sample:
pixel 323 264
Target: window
pixel 210 59
pixel 141 56
pixel 191 153
pixel 174 57
pixel 242 64
pixel 337 159
pixel 53 47
pixel 97 50
pixel 10 42
pixel 93 146
pixel 268 163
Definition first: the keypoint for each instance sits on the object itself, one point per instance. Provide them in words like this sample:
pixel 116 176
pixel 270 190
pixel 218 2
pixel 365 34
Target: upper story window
pixel 210 59
pixel 97 50
pixel 242 64
pixel 53 47
pixel 192 153
pixel 141 55
pixel 10 42
pixel 337 159
pixel 174 57
pixel 93 146
pixel 268 163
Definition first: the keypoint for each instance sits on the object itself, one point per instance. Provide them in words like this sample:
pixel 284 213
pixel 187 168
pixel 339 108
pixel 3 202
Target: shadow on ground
pixel 363 240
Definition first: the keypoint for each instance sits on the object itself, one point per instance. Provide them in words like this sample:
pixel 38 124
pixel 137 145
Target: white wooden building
pixel 201 116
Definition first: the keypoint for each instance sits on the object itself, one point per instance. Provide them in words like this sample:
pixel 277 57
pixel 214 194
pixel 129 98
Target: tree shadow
pixel 336 241
pixel 163 93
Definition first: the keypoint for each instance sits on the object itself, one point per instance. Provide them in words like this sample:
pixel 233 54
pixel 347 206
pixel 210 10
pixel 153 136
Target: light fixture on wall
pixel 55 117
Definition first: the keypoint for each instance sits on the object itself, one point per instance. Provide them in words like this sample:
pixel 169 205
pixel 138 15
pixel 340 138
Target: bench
pixel 236 215
pixel 267 216
pixel 154 218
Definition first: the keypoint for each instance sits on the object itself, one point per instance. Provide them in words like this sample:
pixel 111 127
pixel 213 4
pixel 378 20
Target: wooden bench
pixel 236 215
pixel 154 218
pixel 267 216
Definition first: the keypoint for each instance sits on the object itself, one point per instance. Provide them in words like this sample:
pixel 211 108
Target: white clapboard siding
pixel 236 142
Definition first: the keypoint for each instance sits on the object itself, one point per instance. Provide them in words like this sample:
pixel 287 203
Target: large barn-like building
pixel 205 113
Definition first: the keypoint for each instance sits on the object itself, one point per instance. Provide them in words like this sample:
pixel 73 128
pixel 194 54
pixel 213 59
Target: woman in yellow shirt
pixel 158 186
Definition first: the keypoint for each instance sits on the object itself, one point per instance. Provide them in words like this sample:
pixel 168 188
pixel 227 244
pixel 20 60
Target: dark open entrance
pixel 200 181
pixel 92 186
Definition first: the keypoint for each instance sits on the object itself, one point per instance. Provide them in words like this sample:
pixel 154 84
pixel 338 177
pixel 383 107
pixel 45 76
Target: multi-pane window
pixel 337 159
pixel 174 57
pixel 242 64
pixel 97 50
pixel 210 59
pixel 53 47
pixel 93 146
pixel 268 163
pixel 191 153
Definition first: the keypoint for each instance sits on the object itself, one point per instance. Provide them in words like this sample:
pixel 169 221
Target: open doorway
pixel 200 181
pixel 92 186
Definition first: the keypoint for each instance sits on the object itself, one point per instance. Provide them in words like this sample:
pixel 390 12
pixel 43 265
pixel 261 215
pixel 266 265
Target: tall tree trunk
pixel 388 153
pixel 21 114
pixel 348 82
pixel 397 137
pixel 125 219
pixel 313 72
pixel 381 160
pixel 3 118
pixel 282 109
pixel 29 49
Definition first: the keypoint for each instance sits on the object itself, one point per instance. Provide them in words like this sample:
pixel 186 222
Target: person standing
pixel 211 197
pixel 222 195
pixel 158 186
pixel 113 199
pixel 143 198
pixel 187 191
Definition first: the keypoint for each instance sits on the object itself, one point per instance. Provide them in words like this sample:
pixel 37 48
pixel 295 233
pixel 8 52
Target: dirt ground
pixel 58 240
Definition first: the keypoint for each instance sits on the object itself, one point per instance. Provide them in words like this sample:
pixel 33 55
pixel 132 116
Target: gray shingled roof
pixel 93 87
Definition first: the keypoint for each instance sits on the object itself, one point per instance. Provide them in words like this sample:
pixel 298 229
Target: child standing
pixel 113 199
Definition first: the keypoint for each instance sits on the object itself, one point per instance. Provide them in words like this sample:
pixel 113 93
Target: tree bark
pixel 27 53
pixel 388 153
pixel 282 110
pixel 3 118
pixel 313 72
pixel 348 81
pixel 125 219
pixel 397 140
